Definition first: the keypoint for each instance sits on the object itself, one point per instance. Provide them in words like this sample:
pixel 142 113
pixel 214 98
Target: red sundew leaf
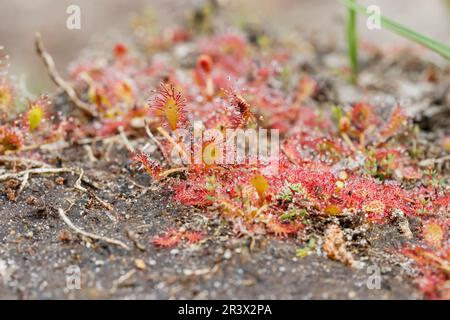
pixel 110 127
pixel 397 120
pixel 170 107
pixel 205 63
pixel 362 116
pixel 10 139
pixel 282 229
pixel 170 239
pixel 177 34
pixel 227 52
pixel 212 152
pixel 199 77
pixel 120 51
pixel 434 270
pixel 333 210
pixel 193 237
pixel 376 209
pixel 242 114
pixel 442 201
pixel 192 194
pixel 151 166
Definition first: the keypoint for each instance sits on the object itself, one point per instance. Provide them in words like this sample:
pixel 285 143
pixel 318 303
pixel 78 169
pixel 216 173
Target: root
pixel 23 184
pixel 117 283
pixel 90 153
pixel 125 140
pixel 158 144
pixel 348 141
pixel 20 174
pixel 66 219
pixel 24 161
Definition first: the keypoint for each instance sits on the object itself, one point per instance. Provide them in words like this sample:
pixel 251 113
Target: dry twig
pixel 66 219
pixel 125 140
pixel 90 153
pixel 117 283
pixel 24 161
pixel 176 145
pixel 158 144
pixel 20 174
pixel 60 82
pixel 430 162
pixel 23 184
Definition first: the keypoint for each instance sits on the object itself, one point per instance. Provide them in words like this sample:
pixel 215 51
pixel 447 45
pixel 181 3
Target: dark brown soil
pixel 37 247
pixel 35 252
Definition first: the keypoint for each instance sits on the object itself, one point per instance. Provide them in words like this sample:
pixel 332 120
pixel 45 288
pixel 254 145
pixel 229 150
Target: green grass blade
pixel 440 48
pixel 352 41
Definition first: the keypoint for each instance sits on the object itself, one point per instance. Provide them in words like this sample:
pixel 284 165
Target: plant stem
pixel 440 48
pixel 352 41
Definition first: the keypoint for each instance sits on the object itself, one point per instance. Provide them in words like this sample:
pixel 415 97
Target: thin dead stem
pixel 430 162
pixel 24 161
pixel 158 144
pixel 60 82
pixel 20 174
pixel 125 140
pixel 173 142
pixel 121 280
pixel 66 219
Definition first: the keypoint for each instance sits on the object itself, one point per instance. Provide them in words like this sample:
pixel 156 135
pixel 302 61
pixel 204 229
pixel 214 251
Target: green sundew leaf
pixel 440 48
pixel 285 195
pixel 337 114
pixel 302 212
pixel 312 243
pixel 302 252
pixel 293 213
pixel 289 215
pixel 295 187
pixel 306 250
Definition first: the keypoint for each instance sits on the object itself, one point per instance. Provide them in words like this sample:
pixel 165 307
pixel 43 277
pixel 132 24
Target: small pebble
pixel 227 254
pixel 139 264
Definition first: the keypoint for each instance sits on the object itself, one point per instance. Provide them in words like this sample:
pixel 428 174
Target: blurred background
pixel 20 19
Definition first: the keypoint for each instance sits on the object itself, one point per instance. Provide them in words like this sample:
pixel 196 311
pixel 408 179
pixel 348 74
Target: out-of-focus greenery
pixel 353 7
